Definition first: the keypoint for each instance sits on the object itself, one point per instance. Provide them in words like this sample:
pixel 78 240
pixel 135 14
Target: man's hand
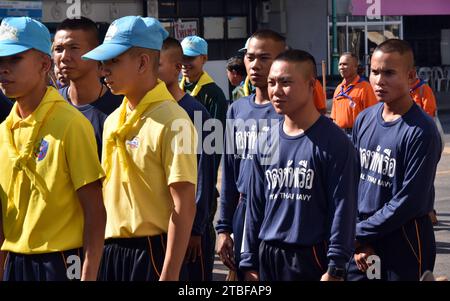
pixel 328 277
pixel 251 276
pixel 361 255
pixel 225 250
pixel 194 248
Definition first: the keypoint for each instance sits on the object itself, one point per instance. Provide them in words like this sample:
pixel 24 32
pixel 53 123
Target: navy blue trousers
pixel 42 267
pixel 133 259
pixel 405 254
pixel 282 262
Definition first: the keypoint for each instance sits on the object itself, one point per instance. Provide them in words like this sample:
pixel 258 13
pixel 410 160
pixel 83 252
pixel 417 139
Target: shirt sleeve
pixel 178 151
pixel 342 174
pixel 229 195
pixel 254 217
pixel 205 185
pixel 422 156
pixel 216 104
pixel 81 153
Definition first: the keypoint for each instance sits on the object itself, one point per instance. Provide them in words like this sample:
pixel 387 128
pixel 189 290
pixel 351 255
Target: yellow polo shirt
pixel 139 203
pixel 64 158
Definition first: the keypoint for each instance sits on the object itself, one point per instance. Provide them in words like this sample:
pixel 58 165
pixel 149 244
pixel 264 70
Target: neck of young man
pixel 134 97
pixel 397 108
pixel 297 122
pixel 85 90
pixel 194 79
pixel 27 104
pixel 261 95
pixel 175 90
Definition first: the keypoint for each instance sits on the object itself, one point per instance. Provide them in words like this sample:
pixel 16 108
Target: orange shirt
pixel 422 94
pixel 319 96
pixel 349 100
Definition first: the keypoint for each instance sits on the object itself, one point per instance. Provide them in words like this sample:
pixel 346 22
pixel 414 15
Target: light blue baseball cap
pixel 128 32
pixel 153 25
pixel 244 49
pixel 194 46
pixel 19 34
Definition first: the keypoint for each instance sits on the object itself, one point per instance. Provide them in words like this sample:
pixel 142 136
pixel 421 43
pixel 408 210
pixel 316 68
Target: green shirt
pixel 212 97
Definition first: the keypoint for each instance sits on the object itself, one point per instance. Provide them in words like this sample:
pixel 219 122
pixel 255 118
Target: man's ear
pixel 46 63
pixel 204 58
pixel 412 75
pixel 312 83
pixel 144 62
pixel 178 67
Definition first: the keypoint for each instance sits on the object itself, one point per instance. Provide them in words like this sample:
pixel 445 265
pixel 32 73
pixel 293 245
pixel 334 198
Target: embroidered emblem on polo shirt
pixel 134 143
pixel 41 150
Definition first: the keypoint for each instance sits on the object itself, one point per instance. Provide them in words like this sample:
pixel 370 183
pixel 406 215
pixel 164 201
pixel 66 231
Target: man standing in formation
pixel 352 96
pixel 50 187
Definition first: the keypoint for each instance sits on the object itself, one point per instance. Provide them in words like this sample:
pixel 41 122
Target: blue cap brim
pixel 105 52
pixel 12 49
pixel 190 52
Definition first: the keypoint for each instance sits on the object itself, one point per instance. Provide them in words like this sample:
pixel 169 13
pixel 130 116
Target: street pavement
pixel 442 205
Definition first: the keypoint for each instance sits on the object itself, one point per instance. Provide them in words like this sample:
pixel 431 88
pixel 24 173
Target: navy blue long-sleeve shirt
pixel 245 119
pixel 213 99
pixel 96 112
pixel 305 195
pixel 398 165
pixel 205 178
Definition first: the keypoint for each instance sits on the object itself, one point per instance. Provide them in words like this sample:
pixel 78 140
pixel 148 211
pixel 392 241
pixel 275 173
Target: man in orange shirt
pixel 351 96
pixel 319 98
pixel 423 96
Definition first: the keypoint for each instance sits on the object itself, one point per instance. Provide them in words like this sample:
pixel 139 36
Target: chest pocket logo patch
pixel 42 150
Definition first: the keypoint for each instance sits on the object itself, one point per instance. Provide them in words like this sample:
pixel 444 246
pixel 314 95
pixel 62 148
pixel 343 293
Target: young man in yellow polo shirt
pixel 150 165
pixel 50 191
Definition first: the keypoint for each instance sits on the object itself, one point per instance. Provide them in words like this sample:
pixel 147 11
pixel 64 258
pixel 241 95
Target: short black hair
pixel 262 34
pixel 81 23
pixel 314 62
pixel 352 55
pixel 298 56
pixel 400 46
pixel 171 43
pixel 394 45
pixel 236 63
